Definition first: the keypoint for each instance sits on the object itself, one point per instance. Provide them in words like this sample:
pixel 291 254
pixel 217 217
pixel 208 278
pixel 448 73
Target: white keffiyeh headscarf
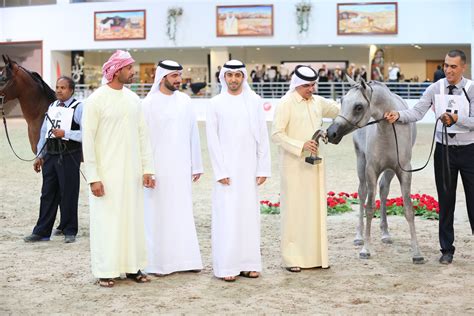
pixel 164 68
pixel 303 75
pixel 250 97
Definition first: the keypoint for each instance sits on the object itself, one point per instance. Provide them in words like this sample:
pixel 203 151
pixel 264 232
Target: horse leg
pixel 405 185
pixel 359 238
pixel 384 186
pixel 371 177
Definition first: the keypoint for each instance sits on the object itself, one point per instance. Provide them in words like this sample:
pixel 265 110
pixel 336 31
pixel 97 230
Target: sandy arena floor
pixel 53 277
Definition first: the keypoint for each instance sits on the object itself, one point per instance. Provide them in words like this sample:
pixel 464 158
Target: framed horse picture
pixel 367 18
pixel 119 25
pixel 244 20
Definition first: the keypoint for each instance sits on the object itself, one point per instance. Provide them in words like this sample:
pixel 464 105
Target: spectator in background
pixel 438 74
pixel 338 74
pixel 393 72
pixel 284 73
pixel 217 74
pixel 323 74
pixel 351 70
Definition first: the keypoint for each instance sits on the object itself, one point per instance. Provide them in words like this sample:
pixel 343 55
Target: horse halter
pixel 356 125
pixel 7 86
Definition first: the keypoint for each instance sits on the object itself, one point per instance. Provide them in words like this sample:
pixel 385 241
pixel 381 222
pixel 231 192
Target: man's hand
pixel 38 164
pixel 225 181
pixel 196 176
pixel 391 116
pixel 261 180
pixel 97 189
pixel 311 146
pixel 58 133
pixel 447 120
pixel 149 181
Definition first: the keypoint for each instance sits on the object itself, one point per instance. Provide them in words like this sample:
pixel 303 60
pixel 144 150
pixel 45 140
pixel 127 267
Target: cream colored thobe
pixel 302 188
pixel 170 232
pixel 117 152
pixel 237 138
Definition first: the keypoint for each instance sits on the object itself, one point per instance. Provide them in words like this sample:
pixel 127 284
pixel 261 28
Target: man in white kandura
pixel 171 239
pixel 118 162
pixel 237 137
pixel 302 190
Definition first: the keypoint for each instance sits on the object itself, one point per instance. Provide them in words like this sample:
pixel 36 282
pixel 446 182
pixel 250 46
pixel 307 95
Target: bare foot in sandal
pixel 250 274
pixel 229 278
pixel 138 277
pixel 104 282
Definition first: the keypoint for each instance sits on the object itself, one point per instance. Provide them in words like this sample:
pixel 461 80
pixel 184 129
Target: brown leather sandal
pixel 106 282
pixel 138 277
pixel 249 274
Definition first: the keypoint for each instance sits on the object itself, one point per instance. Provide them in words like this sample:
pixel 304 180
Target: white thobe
pixel 237 138
pixel 117 152
pixel 170 232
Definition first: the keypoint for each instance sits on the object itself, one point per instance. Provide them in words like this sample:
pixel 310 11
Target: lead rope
pixel 2 98
pixel 445 153
pixel 2 108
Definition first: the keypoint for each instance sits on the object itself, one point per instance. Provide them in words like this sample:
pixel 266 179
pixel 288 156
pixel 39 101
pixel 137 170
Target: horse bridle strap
pixel 369 101
pixel 356 125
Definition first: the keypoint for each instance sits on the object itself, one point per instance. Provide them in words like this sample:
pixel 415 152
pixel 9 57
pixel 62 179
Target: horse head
pixel 355 111
pixel 7 79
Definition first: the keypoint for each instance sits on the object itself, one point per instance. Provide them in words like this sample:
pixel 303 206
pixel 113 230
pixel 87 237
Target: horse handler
pixel 453 98
pixel 60 162
pixel 303 195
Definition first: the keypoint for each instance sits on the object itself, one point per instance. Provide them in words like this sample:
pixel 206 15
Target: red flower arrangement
pixel 424 205
pixel 267 207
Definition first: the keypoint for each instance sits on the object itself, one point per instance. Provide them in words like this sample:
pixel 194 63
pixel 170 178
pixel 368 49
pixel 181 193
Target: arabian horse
pixel 33 93
pixel 376 151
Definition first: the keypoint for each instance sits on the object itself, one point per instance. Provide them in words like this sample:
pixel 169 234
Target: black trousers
pixel 461 161
pixel 60 188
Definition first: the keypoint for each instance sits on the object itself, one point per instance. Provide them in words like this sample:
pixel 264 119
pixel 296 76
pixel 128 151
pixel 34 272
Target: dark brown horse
pixel 33 93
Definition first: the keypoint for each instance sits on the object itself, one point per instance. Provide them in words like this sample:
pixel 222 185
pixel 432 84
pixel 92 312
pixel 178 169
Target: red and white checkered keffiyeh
pixel 116 62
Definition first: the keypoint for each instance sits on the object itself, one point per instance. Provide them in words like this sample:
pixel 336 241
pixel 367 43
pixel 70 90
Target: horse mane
pixel 50 94
pixel 394 95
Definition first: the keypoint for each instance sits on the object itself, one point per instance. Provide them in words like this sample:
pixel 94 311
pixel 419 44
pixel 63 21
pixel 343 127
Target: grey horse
pixel 376 155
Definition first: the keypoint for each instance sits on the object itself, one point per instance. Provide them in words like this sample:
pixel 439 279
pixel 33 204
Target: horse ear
pixel 350 80
pixel 5 60
pixel 363 83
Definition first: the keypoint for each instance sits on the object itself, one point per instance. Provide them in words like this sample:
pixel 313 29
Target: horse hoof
pixel 358 242
pixel 418 260
pixel 387 240
pixel 364 255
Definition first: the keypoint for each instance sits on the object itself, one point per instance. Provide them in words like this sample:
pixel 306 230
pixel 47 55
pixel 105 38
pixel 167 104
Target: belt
pixel 457 146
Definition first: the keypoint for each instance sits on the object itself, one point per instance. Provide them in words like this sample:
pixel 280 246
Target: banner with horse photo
pixel 119 25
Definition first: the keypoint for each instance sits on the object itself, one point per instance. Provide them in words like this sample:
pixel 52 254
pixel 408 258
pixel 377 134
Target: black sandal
pixel 294 269
pixel 138 277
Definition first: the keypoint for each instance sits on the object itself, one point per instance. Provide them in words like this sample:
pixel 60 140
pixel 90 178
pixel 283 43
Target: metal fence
pixel 275 90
